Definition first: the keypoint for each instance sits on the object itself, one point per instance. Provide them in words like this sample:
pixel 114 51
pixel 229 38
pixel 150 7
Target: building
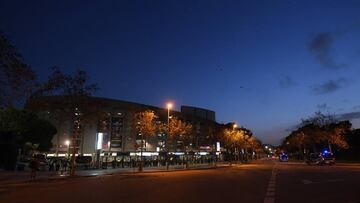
pixel 104 127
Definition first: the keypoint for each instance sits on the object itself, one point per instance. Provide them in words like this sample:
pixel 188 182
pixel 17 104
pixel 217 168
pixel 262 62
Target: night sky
pixel 263 64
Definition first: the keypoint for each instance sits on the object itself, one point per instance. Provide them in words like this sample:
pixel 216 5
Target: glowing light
pixel 218 146
pixel 99 141
pixel 67 142
pixel 169 105
pixel 144 154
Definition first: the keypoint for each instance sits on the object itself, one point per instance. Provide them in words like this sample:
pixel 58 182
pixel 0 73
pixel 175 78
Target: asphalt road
pixel 265 181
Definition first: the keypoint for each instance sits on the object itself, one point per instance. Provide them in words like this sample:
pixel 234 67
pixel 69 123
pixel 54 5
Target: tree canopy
pixel 317 132
pixel 145 123
pixel 17 79
pixel 26 127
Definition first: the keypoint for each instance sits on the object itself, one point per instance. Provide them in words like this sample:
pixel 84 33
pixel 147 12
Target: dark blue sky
pixel 263 64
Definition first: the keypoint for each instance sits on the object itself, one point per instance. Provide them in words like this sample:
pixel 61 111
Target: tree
pixel 326 129
pixel 254 145
pixel 19 127
pixel 353 152
pixel 145 123
pixel 17 79
pixel 336 134
pixel 181 131
pixel 258 146
pixel 75 90
pixel 238 141
pixel 295 142
pixel 318 131
pixel 233 139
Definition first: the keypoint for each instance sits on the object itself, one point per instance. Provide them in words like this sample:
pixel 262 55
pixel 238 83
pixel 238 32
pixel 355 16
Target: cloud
pixel 321 46
pixel 286 82
pixel 329 86
pixel 349 116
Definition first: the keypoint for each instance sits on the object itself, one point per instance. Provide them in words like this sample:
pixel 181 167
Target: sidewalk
pixel 15 177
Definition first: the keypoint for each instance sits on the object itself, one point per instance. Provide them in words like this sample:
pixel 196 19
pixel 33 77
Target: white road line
pixel 269 200
pixel 270 192
pixel 271 189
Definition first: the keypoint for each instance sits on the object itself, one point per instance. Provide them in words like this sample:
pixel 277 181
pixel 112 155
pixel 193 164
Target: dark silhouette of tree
pixel 18 127
pixel 317 132
pixel 74 90
pixel 17 79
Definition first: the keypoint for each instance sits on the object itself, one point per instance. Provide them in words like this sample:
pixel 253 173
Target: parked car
pixel 328 158
pixel 324 158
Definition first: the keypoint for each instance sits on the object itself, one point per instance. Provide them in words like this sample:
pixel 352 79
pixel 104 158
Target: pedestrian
pixel 57 165
pixel 34 166
pixel 51 165
pixel 113 163
pixel 65 165
pixel 122 163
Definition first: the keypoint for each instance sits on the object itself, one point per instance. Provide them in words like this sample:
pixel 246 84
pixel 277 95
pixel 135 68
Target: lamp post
pixel 67 143
pixel 108 154
pixel 169 106
pixel 236 152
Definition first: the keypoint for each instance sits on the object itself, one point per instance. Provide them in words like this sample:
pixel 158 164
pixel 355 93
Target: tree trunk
pixel 330 148
pixel 141 153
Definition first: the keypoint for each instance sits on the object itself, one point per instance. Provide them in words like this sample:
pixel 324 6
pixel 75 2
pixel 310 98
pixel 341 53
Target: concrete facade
pixel 114 119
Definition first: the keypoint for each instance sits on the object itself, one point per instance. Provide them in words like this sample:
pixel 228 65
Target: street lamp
pixel 169 106
pixel 234 126
pixel 67 143
pixel 108 154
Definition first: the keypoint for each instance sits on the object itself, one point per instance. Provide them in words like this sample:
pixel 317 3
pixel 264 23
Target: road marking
pixel 306 182
pixel 269 200
pixel 271 189
pixel 270 193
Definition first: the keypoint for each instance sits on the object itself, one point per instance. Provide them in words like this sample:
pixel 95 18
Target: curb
pixel 56 178
pixel 183 169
